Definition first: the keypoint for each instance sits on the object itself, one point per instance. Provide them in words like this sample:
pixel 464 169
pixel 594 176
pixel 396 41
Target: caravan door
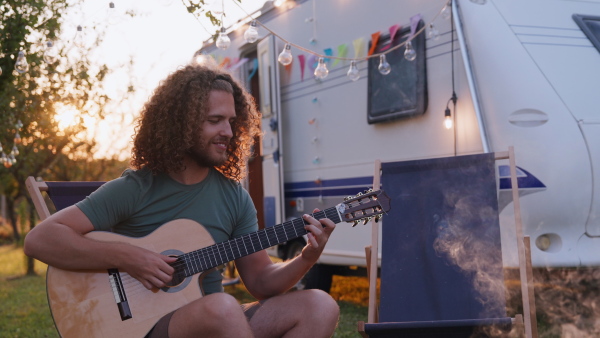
pixel 271 149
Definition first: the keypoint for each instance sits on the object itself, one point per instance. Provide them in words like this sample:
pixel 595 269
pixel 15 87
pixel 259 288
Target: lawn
pixel 25 312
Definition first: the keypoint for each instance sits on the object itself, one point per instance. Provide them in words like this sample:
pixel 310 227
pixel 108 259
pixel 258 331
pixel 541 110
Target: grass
pixel 25 311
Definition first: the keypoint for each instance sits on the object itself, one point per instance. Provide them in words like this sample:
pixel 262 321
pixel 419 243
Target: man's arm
pixel 265 279
pixel 59 241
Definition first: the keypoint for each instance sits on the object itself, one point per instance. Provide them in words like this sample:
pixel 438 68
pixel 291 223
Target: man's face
pixel 210 149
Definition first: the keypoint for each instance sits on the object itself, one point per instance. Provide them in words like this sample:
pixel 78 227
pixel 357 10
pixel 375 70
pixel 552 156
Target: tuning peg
pixel 347 198
pixel 366 220
pixel 354 223
pixel 359 194
pixel 378 217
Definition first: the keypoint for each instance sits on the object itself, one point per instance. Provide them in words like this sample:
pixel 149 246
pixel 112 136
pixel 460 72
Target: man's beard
pixel 199 155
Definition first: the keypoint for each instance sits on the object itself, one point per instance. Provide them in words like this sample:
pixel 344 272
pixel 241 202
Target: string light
pixel 384 66
pixel 433 33
pixel 79 40
pixel 251 34
pixel 410 53
pixel 21 66
pixel 321 71
pixel 285 57
pixel 446 11
pixel 51 53
pixel 353 73
pixel 223 40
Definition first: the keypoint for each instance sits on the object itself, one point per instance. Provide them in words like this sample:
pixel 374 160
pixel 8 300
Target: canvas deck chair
pixel 440 240
pixel 66 193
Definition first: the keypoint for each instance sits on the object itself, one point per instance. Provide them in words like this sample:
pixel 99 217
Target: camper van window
pixel 402 92
pixel 590 25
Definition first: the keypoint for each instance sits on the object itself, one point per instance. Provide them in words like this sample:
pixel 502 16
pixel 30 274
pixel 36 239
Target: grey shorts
pixel 161 329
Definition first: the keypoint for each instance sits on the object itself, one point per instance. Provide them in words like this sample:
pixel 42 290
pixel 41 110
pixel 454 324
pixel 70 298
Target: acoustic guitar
pixel 110 303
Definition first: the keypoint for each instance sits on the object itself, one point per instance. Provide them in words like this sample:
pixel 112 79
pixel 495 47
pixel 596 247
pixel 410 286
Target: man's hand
pixel 150 268
pixel 318 235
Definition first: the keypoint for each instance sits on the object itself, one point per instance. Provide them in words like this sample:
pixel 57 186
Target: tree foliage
pixel 34 98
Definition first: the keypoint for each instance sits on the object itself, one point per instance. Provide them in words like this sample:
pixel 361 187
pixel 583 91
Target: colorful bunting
pixel 374 41
pixel 302 60
pixel 359 46
pixel 342 52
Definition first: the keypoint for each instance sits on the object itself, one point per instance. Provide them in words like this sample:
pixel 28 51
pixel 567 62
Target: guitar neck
pixel 221 253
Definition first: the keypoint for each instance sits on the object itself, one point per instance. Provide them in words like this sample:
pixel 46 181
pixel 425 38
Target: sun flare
pixel 66 116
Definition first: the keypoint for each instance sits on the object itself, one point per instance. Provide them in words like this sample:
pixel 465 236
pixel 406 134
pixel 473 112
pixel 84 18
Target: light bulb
pixel 410 53
pixel 12 159
pixel 321 71
pixel 51 53
pixel 448 119
pixel 5 161
pixel 112 16
pixel 285 57
pixel 21 65
pixel 353 73
pixel 446 11
pixel 251 34
pixel 19 124
pixel 15 151
pixel 434 33
pixel 17 139
pixel 223 40
pixel 384 66
pixel 79 40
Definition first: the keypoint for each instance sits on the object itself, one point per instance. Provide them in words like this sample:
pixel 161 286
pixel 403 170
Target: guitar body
pixel 83 304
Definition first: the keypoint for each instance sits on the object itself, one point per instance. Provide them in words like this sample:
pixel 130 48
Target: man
pixel 192 141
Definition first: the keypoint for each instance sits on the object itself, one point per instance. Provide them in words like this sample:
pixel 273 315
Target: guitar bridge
pixel 119 292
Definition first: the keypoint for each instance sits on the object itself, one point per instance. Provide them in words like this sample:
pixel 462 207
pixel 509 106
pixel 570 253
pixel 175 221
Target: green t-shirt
pixel 138 202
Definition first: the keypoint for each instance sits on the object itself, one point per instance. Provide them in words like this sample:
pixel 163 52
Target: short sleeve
pixel 246 220
pixel 112 202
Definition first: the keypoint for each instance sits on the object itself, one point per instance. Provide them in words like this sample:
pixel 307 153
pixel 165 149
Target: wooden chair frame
pixel 523 246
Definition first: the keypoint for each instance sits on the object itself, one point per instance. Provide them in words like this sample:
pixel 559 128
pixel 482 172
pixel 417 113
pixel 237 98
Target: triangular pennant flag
pixel 238 64
pixel 393 30
pixel 225 62
pixel 302 60
pixel 328 52
pixel 342 52
pixel 254 69
pixel 359 46
pixel 312 62
pixel 414 22
pixel 374 41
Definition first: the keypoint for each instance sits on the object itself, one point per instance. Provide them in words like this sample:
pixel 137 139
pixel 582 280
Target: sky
pixel 159 38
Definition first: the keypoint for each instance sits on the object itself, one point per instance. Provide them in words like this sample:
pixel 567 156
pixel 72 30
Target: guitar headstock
pixel 364 206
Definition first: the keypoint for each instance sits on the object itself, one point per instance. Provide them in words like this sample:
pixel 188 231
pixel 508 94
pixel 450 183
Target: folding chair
pixel 61 193
pixel 440 248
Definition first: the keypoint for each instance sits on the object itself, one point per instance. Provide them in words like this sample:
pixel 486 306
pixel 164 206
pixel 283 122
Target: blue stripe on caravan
pixel 335 187
pixel 368 180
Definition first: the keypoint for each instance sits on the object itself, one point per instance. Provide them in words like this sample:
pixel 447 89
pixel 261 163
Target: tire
pixel 318 277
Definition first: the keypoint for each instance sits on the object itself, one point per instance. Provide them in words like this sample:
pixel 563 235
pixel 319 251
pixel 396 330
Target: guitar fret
pixel 220 253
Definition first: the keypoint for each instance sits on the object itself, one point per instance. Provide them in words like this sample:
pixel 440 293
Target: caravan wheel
pixel 318 277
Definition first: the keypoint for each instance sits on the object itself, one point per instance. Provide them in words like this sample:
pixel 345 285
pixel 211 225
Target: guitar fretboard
pixel 212 256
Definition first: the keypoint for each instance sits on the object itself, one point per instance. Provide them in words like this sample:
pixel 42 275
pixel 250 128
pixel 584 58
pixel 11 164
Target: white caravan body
pixel 525 75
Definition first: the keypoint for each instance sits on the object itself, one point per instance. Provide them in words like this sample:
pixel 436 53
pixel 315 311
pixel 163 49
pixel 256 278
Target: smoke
pixel 567 300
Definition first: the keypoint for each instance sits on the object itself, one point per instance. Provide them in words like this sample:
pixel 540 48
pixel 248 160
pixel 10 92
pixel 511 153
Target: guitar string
pixel 276 232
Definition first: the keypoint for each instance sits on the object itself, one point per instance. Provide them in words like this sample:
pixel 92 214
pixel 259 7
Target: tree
pixel 30 100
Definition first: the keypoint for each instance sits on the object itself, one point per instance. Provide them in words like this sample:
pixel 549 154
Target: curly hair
pixel 170 122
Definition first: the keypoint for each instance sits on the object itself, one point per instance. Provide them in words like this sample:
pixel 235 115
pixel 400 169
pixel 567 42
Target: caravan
pixel 522 73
